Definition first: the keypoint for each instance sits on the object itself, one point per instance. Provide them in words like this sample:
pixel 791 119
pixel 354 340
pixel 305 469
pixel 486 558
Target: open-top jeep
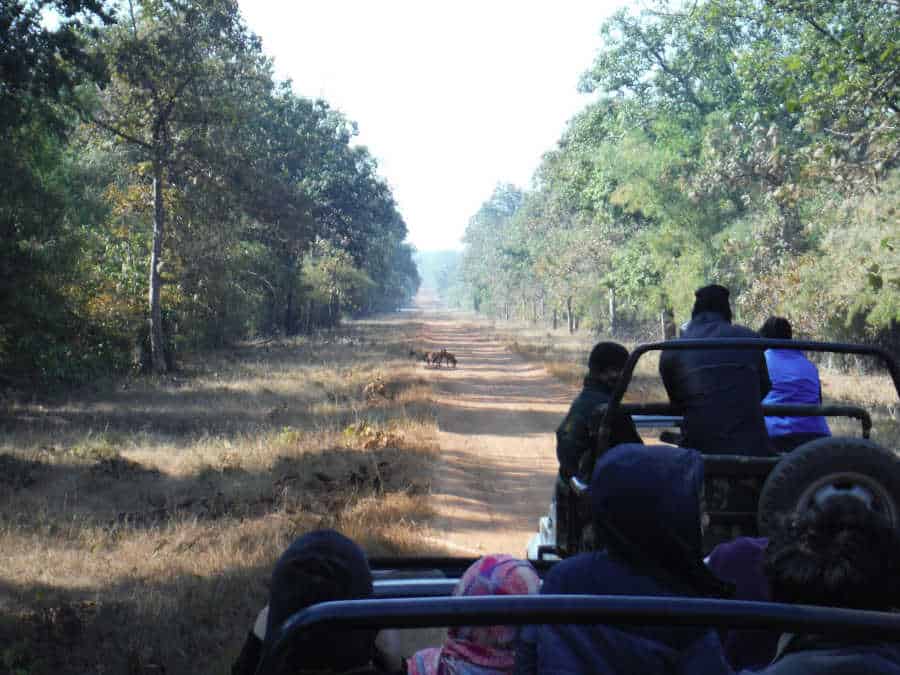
pixel 744 495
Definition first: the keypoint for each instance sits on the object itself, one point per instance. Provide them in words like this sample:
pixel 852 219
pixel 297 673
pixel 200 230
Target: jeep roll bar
pixel 614 407
pixel 664 414
pixel 582 609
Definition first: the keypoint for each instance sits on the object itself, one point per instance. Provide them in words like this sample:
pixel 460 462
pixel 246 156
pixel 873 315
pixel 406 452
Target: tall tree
pixel 178 70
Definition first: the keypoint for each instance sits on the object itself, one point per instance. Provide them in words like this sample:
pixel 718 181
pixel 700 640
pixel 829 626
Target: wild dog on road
pixel 449 358
pixel 443 356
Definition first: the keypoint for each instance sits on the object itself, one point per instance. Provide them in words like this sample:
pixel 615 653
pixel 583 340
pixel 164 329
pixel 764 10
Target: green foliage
pixel 163 136
pixel 749 143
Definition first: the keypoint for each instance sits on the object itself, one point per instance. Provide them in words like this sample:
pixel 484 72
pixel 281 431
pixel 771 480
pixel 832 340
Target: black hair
pixel 840 554
pixel 777 328
pixel 607 356
pixel 712 298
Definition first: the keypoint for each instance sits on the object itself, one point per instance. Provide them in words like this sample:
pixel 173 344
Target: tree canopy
pixel 752 143
pixel 167 193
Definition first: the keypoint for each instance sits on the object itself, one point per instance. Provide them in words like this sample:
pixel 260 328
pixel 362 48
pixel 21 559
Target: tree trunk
pixel 555 318
pixel 157 338
pixel 571 317
pixel 613 324
pixel 667 326
pixel 791 227
pixel 289 321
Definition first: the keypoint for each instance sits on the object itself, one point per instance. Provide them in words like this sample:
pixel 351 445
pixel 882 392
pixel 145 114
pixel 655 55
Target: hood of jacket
pixel 646 504
pixel 320 566
pixel 650 493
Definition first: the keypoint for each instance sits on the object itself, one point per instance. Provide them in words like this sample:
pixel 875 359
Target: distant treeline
pixel 439 271
pixel 162 191
pixel 753 143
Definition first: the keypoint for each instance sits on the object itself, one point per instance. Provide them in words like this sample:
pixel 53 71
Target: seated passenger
pixel 838 554
pixel 740 562
pixel 480 650
pixel 719 391
pixel 794 380
pixel 318 567
pixel 646 503
pixel 575 437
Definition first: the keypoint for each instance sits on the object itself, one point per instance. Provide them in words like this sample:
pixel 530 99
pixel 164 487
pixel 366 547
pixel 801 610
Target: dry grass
pixel 565 357
pixel 139 520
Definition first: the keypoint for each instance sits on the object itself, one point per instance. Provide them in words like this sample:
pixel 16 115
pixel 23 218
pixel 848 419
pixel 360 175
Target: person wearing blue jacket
pixel 795 379
pixel 646 505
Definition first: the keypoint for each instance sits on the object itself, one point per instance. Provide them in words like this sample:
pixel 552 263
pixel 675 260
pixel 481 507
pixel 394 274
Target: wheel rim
pixel 850 484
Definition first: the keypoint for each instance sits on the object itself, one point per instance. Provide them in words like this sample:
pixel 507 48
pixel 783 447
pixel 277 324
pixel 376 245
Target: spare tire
pixel 831 466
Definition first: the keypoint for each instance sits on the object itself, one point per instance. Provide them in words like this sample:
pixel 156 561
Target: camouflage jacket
pixel 575 436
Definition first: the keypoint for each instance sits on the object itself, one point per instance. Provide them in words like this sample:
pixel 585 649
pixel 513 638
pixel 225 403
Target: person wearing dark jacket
pixel 840 553
pixel 740 562
pixel 646 503
pixel 718 391
pixel 575 435
pixel 320 566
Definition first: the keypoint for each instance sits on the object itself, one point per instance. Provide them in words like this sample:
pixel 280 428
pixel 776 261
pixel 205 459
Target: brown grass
pixel 139 519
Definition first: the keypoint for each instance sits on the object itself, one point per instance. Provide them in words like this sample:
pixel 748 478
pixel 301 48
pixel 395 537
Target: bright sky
pixel 451 98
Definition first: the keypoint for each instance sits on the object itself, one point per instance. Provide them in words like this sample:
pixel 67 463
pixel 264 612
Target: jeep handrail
pixel 761 344
pixel 669 413
pixel 583 609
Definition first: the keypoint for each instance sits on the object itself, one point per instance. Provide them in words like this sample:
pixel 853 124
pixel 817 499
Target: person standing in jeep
pixel 719 392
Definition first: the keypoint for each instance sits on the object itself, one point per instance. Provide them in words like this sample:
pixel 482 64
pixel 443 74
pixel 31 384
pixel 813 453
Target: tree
pixel 178 70
pixel 40 68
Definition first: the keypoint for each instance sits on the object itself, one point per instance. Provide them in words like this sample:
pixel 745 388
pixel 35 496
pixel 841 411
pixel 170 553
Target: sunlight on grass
pixel 137 513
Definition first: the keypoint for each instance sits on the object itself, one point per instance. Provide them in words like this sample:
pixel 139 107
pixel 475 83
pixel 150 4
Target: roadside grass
pixel 565 357
pixel 139 518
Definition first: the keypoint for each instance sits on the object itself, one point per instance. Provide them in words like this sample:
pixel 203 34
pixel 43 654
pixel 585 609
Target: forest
pixel 164 192
pixel 752 143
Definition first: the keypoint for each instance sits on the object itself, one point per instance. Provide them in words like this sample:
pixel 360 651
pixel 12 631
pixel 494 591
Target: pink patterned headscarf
pixel 480 650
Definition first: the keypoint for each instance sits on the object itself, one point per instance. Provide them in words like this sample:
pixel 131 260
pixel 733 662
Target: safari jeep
pixel 744 495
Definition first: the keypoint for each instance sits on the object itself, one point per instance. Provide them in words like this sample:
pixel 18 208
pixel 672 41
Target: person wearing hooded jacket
pixel 719 391
pixel 320 566
pixel 646 505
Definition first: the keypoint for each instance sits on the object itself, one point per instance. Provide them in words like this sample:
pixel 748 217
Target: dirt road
pixel 497 415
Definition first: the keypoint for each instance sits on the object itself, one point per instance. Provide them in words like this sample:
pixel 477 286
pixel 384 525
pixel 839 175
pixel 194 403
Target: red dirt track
pixel 497 414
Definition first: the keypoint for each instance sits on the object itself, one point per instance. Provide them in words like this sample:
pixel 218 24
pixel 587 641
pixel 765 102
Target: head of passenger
pixel 319 567
pixel 712 298
pixel 647 504
pixel 606 362
pixel 840 553
pixel 740 562
pixel 480 649
pixel 776 328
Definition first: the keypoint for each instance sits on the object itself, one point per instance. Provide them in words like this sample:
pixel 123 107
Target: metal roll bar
pixel 583 609
pixel 760 344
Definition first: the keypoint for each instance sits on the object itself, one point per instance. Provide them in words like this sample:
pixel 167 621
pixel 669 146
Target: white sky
pixel 451 98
